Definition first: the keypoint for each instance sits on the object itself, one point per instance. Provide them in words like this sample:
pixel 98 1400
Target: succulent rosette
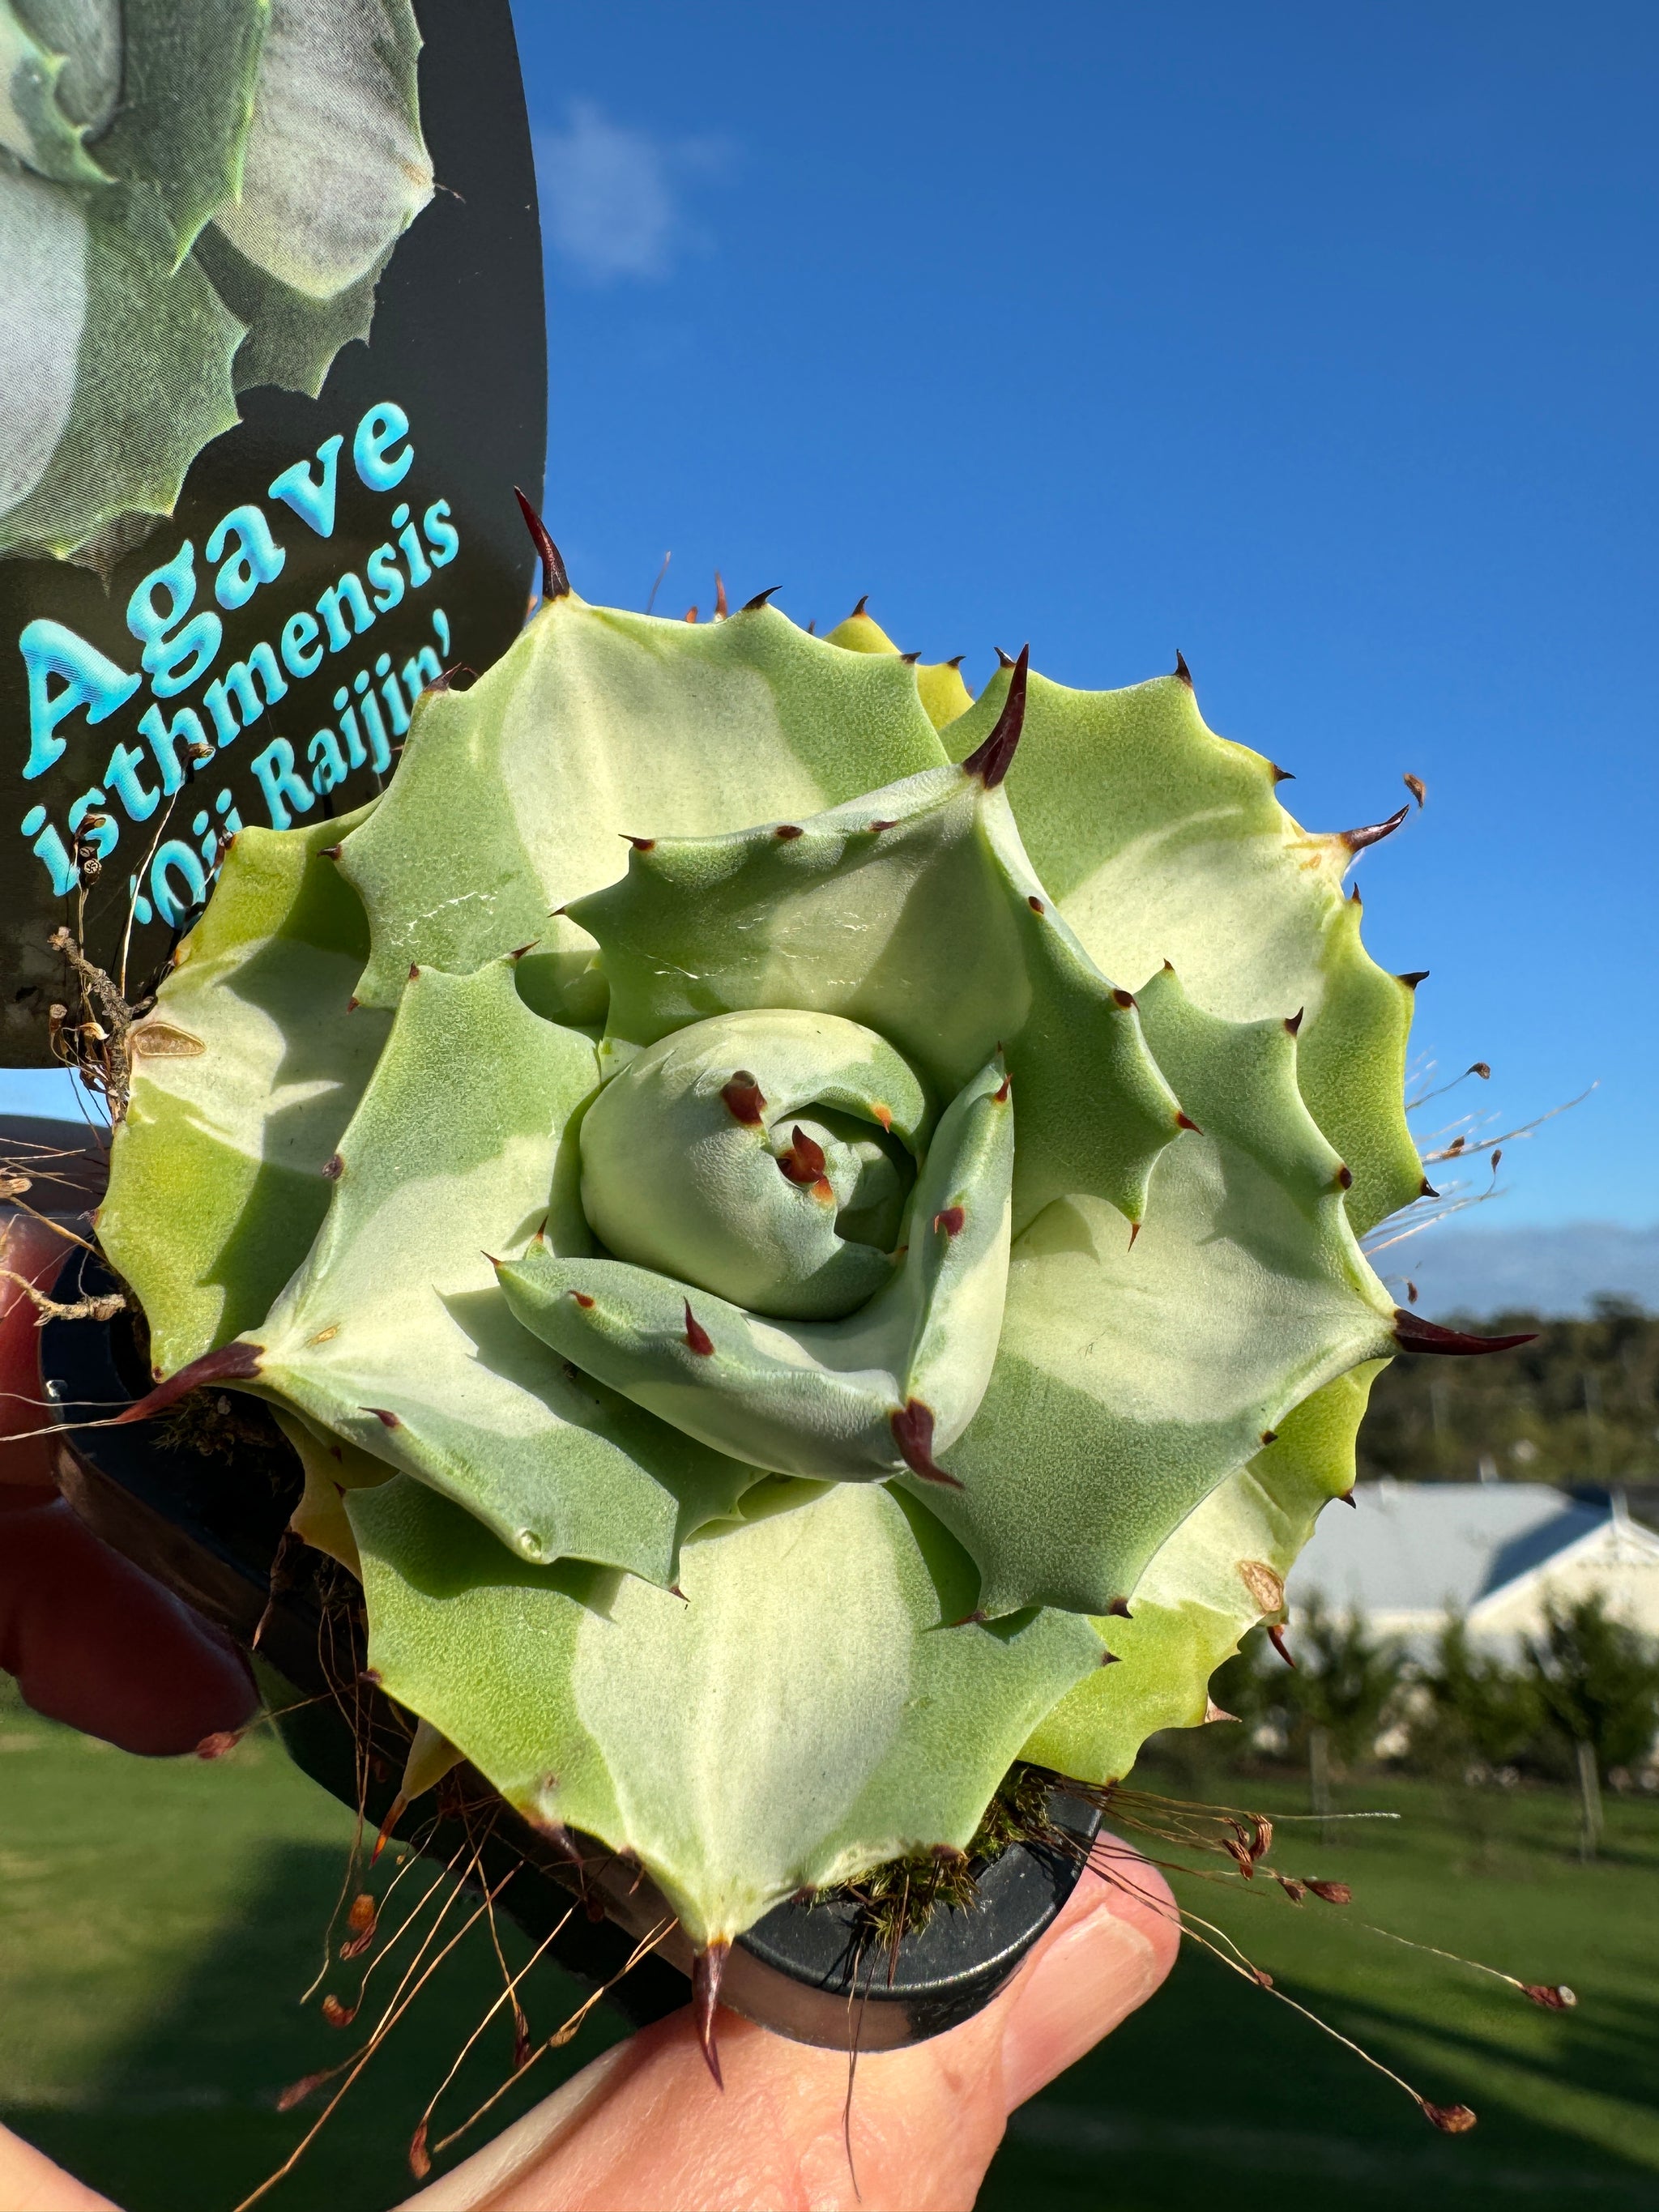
pixel 193 200
pixel 791 1217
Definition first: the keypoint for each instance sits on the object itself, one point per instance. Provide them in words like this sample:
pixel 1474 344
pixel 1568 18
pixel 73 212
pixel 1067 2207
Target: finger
pixel 96 1643
pixel 1120 1958
pixel 645 2126
pixel 29 2179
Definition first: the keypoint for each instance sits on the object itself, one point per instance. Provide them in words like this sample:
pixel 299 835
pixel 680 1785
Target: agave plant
pixel 770 1322
pixel 193 201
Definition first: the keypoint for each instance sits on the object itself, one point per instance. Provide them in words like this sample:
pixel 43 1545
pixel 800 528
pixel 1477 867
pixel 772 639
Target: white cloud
pixel 612 194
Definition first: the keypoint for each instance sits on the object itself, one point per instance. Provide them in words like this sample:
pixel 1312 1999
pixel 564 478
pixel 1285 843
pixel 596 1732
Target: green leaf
pixel 514 797
pixel 1163 841
pixel 800 1715
pixel 43 309
pixel 860 633
pixel 89 36
pixel 674 1180
pixel 186 105
pixel 336 169
pixel 939 686
pixel 1352 1072
pixel 944 697
pixel 56 87
pixel 394 1336
pixel 1222 1572
pixel 912 911
pixel 814 1398
pixel 243 1078
pixel 148 346
pixel 1130 1382
pixel 332 1467
pixel 292 341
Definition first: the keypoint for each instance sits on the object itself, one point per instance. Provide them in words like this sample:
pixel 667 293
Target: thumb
pixel 644 2124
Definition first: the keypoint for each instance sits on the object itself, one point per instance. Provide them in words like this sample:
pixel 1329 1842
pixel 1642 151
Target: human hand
pixel 95 1642
pixel 644 2126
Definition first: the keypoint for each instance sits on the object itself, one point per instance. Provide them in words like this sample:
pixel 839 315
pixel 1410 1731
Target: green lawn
pixel 1215 2088
pixel 159 1921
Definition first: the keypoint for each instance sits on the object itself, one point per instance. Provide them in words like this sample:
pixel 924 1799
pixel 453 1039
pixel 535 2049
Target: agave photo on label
pixel 193 200
pixel 272 356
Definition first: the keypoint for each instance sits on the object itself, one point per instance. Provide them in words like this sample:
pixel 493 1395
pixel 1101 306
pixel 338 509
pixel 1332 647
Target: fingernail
pixel 1092 1974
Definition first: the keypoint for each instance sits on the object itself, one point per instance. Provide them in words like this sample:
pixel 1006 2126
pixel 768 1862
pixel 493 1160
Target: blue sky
pixel 1318 343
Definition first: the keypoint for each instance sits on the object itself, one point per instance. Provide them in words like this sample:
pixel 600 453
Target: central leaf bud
pixel 766 1157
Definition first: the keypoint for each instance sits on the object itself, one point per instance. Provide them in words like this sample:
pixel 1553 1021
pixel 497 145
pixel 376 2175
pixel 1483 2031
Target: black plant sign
pixel 271 361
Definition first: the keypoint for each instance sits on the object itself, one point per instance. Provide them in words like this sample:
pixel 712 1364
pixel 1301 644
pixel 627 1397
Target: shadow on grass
pixel 1608 2049
pixel 1214 2089
pixel 185 2118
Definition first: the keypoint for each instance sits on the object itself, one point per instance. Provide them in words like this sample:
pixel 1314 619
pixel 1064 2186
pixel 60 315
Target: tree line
pixel 1578 1704
pixel 1581 1404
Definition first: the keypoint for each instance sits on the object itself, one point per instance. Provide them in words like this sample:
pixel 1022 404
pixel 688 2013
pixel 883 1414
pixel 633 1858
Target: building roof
pixel 1432 1547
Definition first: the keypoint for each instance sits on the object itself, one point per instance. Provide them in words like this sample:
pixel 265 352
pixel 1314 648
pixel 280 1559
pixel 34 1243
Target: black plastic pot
pixel 217 1544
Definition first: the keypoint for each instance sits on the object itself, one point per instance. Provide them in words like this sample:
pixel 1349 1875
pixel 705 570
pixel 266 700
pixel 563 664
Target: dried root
pixel 104 1309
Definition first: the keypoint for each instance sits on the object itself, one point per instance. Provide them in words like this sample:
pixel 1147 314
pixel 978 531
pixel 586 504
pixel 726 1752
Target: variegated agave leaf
pixel 600 724
pixel 243 1080
pixel 801 1710
pixel 1246 903
pixel 1222 1572
pixel 790 1262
